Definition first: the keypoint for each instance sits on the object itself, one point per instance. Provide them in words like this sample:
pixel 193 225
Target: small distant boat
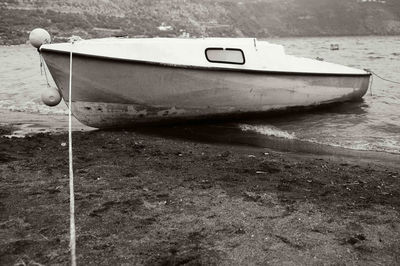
pixel 124 82
pixel 335 47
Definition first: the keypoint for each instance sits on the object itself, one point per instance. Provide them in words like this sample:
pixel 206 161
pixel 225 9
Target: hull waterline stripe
pixel 250 71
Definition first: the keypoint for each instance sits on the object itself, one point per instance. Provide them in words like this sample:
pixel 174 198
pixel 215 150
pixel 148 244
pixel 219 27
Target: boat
pixel 123 82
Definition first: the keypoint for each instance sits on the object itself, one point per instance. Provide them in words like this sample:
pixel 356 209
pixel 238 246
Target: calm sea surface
pixel 373 124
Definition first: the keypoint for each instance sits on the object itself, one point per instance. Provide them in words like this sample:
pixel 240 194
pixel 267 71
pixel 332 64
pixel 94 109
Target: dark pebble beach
pixel 143 199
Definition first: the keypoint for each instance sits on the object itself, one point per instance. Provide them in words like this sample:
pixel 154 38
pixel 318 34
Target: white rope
pixel 382 78
pixel 71 169
pixel 385 79
pixel 43 69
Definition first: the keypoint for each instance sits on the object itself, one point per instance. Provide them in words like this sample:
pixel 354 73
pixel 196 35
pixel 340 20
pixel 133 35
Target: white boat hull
pixel 111 92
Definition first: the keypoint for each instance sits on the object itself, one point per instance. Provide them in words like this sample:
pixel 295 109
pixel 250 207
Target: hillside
pixel 255 18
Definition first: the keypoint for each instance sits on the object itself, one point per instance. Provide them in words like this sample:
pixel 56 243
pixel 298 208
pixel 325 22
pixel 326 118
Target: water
pixel 373 124
pixel 21 85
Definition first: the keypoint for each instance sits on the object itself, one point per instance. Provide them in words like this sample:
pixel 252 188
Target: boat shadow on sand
pixel 226 130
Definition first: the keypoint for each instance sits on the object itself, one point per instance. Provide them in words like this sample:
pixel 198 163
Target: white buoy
pixel 39 36
pixel 51 96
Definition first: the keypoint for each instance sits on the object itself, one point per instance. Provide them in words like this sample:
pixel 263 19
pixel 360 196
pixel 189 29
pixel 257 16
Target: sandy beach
pixel 143 199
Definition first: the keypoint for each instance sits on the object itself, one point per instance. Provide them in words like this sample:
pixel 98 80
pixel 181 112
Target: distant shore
pixel 198 18
pixel 24 40
pixel 167 199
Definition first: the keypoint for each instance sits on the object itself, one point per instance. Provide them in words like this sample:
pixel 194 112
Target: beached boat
pixel 122 82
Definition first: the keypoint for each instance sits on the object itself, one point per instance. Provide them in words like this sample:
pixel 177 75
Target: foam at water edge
pixel 386 146
pixel 268 131
pixel 21 131
pixel 32 107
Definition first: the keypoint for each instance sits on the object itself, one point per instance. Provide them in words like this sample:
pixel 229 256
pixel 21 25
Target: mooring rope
pixel 43 69
pixel 371 83
pixel 382 78
pixel 71 169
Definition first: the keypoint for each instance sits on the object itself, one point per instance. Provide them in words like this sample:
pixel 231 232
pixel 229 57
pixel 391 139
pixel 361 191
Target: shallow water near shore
pixel 372 124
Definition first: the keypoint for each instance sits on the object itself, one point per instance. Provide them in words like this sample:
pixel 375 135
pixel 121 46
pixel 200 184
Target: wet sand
pixel 159 198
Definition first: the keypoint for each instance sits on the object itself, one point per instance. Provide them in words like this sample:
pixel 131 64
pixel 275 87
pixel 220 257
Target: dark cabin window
pixel 225 56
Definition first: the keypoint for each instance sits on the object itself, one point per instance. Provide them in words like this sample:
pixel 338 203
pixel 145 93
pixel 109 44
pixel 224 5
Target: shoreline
pixel 160 199
pixel 229 135
pixel 204 131
pixel 20 124
pixel 215 133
